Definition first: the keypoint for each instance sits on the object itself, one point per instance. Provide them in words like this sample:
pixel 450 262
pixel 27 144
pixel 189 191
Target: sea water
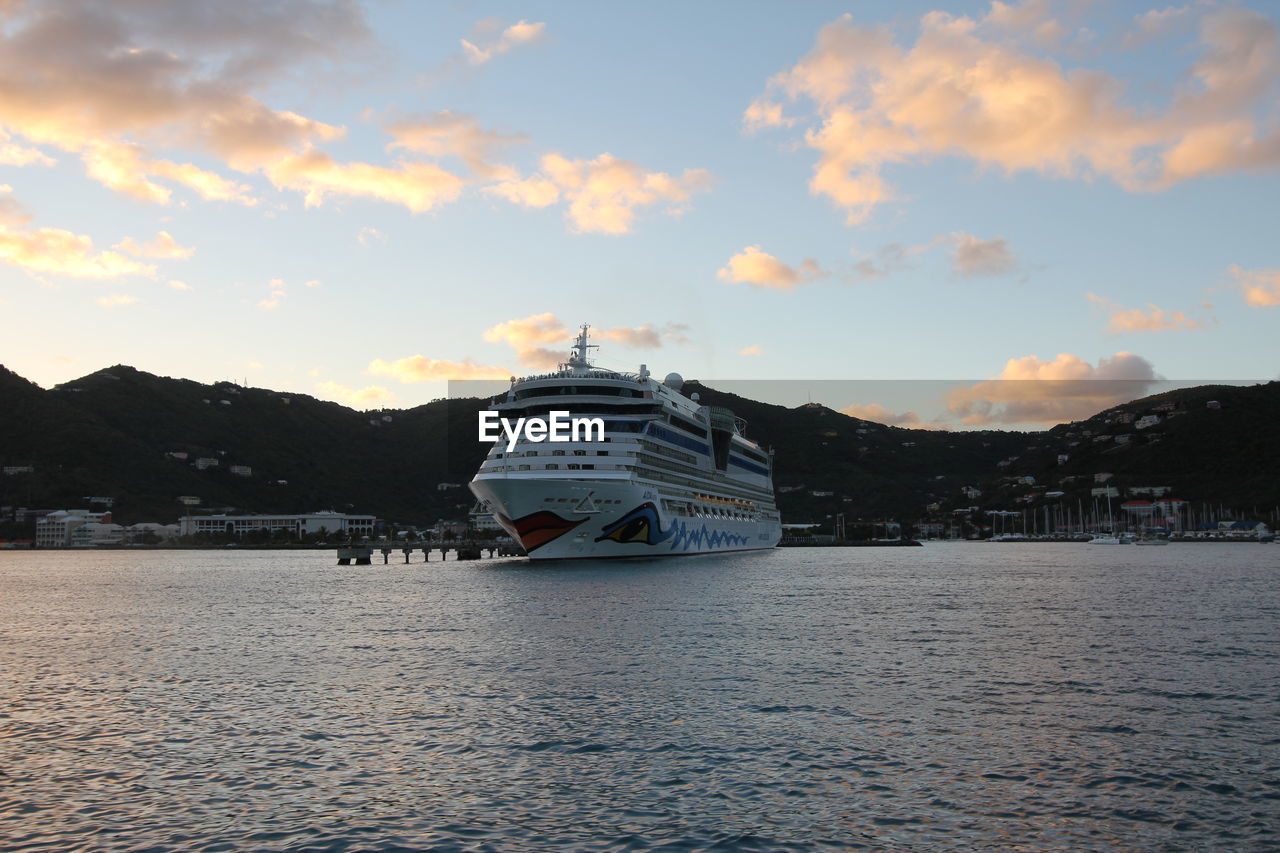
pixel 959 696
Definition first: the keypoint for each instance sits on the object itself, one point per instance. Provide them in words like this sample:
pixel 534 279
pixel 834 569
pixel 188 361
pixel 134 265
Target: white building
pixel 94 533
pixel 206 462
pixel 135 532
pixel 241 470
pixel 481 518
pixel 336 523
pixel 56 529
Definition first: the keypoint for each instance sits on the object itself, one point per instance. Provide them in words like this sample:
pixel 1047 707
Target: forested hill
pixel 135 437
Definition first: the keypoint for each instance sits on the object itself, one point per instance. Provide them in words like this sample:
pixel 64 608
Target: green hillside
pixel 121 433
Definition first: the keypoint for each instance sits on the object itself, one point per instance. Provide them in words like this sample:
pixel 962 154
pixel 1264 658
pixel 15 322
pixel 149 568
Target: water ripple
pixel 947 698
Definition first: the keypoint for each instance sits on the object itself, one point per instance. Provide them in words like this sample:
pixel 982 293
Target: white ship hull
pixel 558 519
pixel 661 475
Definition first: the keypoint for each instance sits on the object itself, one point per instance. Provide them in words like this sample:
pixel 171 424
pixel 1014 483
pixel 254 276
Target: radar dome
pixel 674 381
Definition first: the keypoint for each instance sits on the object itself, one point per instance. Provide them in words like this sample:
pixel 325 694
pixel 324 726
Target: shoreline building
pixel 336 523
pixel 56 529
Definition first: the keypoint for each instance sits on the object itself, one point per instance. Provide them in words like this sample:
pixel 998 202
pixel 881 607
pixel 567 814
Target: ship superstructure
pixel 671 476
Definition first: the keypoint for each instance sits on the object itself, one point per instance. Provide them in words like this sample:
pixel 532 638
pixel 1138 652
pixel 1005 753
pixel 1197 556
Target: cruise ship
pixel 669 476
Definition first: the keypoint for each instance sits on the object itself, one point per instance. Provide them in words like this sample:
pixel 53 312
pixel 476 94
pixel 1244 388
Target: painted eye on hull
pixel 636 530
pixel 639 525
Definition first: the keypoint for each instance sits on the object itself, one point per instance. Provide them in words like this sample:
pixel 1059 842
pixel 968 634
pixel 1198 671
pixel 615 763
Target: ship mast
pixel 578 352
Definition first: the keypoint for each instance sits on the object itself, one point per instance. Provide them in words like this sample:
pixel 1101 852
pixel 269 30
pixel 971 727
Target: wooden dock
pixel 467 549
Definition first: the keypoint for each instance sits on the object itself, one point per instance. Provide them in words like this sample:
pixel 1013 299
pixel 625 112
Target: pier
pixel 467 549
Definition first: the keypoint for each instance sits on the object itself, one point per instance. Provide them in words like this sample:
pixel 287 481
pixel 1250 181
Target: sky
pixel 364 201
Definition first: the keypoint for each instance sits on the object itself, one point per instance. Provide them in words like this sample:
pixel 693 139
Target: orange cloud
pixel 61 252
pixel 603 194
pixel 354 397
pixel 517 34
pixel 163 246
pixel 124 82
pixel 529 336
pixel 278 293
pixel 450 134
pixel 418 186
pixel 754 349
pixel 959 92
pixel 758 268
pixel 12 154
pixel 1068 388
pixel 419 368
pixel 1261 288
pixel 880 414
pixel 1153 319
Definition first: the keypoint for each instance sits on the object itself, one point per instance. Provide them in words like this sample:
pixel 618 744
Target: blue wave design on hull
pixel 641 526
pixel 695 538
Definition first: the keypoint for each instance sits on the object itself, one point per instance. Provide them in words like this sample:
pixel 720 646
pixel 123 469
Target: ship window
pixel 687 426
pixel 591 467
pixel 557 453
pixel 579 453
pixel 523 468
pixel 602 453
pixel 573 466
pixel 553 467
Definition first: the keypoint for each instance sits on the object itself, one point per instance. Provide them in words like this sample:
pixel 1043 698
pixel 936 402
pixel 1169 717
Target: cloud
pixel 418 186
pixel 973 257
pixel 354 397
pixel 110 82
pixel 450 134
pixel 127 79
pixel 1153 319
pixel 758 268
pixel 534 192
pixel 1031 18
pixel 116 300
pixel 1154 23
pixel 881 415
pixel 754 349
pixel 12 211
pixel 642 337
pixel 529 337
pixel 61 252
pixel 369 235
pixel 487 45
pixel 419 368
pixel 315 282
pixel 163 246
pixel 603 194
pixel 179 285
pixel 278 292
pixel 12 154
pixel 1068 388
pixel 889 258
pixel 1261 288
pixel 967 89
